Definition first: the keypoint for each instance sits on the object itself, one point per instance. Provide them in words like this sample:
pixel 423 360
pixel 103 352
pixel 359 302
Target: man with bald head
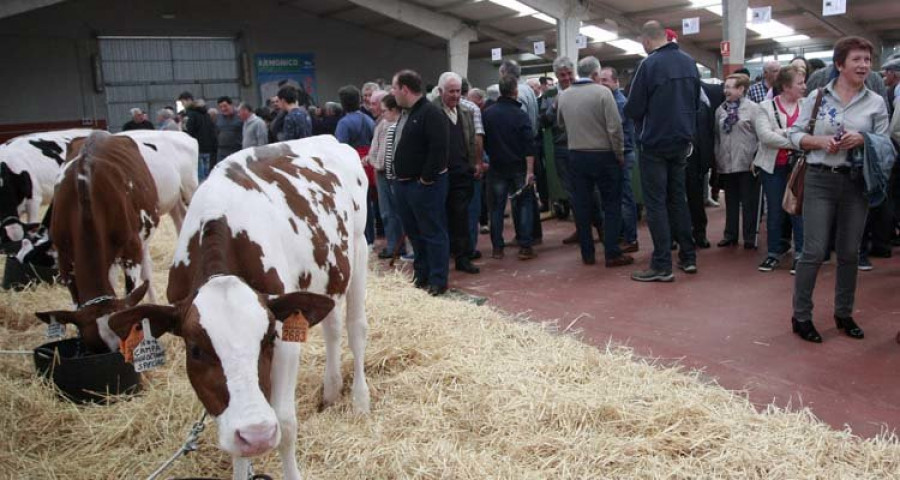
pixel 760 89
pixel 663 102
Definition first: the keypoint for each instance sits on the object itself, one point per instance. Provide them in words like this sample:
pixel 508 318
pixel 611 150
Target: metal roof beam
pixel 8 8
pixel 444 26
pixel 843 24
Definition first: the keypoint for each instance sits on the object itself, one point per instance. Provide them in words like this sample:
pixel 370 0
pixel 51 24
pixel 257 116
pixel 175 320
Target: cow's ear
pixel 163 319
pixel 136 295
pixel 61 316
pixel 314 307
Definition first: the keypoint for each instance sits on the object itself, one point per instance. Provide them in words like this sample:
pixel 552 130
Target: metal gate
pixel 150 72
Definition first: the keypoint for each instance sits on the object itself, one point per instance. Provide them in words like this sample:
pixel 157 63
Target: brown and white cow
pixel 274 230
pixel 104 213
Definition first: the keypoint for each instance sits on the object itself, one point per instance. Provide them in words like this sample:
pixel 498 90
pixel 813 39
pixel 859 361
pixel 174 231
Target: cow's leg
pixel 240 468
pixel 331 331
pixel 147 270
pixel 285 366
pixel 358 326
pixel 33 209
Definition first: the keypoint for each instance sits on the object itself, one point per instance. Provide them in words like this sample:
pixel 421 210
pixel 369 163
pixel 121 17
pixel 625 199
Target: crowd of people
pixel 447 163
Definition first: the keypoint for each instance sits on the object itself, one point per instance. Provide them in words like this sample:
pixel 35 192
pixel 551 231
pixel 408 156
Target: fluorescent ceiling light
pixel 519 7
pixel 597 34
pixel 705 3
pixel 544 17
pixel 825 54
pixel 629 46
pixel 766 30
pixel 791 38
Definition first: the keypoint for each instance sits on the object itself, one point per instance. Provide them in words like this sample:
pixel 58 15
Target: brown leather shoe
pixel 571 239
pixel 620 261
pixel 629 247
pixel 497 253
pixel 527 253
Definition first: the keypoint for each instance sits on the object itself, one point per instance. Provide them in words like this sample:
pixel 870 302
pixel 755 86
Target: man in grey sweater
pixel 228 129
pixel 255 133
pixel 589 113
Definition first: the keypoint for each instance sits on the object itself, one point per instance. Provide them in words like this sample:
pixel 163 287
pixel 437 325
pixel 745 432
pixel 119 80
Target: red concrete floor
pixel 729 320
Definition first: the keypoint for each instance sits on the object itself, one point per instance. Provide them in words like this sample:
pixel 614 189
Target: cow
pixel 104 214
pixel 29 167
pixel 273 231
pixel 172 160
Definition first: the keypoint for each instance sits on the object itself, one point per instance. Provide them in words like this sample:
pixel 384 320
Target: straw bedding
pixel 458 391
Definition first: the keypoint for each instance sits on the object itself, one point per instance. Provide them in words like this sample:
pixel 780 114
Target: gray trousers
pixel 830 199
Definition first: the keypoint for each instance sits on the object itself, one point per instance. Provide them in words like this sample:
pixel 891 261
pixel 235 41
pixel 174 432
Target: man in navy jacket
pixel 664 99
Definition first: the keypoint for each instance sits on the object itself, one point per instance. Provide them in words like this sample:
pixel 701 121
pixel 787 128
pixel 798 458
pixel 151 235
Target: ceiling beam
pixel 842 24
pixel 441 25
pixel 510 41
pixel 337 11
pixel 9 8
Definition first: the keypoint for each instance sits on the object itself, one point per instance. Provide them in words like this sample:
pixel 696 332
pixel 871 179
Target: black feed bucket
pixel 17 276
pixel 85 378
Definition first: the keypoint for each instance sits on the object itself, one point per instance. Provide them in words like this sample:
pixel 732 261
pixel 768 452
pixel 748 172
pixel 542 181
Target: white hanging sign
pixel 761 15
pixel 539 48
pixel 690 26
pixel 496 54
pixel 834 7
pixel 581 41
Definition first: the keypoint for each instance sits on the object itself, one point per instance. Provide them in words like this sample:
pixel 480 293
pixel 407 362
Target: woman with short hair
pixel 834 191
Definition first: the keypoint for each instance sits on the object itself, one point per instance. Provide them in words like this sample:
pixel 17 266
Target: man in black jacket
pixel 421 146
pixel 665 97
pixel 197 124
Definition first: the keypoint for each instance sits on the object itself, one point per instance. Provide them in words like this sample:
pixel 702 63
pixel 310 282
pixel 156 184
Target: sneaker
pixel 769 264
pixel 408 257
pixel 710 203
pixel 794 267
pixel 651 275
pixel 621 261
pixel 864 264
pixel 527 253
pixel 484 229
pixel 688 267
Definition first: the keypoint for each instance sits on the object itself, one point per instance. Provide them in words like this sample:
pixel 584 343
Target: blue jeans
pixel 502 185
pixel 474 213
pixel 774 185
pixel 423 210
pixel 629 207
pixel 601 170
pixel 203 166
pixel 662 180
pixel 387 203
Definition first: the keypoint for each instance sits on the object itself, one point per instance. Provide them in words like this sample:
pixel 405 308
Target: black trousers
pixel 696 196
pixel 459 196
pixel 741 200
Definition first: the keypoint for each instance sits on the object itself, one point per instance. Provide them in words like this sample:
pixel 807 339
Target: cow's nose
pixel 256 439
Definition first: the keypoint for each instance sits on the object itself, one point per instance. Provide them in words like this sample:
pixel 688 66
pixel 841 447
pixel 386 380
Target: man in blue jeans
pixel 596 143
pixel 509 142
pixel 420 167
pixel 663 102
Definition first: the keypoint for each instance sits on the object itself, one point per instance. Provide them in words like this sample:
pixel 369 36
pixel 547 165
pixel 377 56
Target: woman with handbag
pixel 736 145
pixel 830 127
pixel 773 159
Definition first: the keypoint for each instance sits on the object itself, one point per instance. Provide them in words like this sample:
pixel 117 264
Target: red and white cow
pixel 104 213
pixel 29 167
pixel 274 230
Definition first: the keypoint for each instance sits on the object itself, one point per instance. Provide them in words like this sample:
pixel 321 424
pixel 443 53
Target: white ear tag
pixel 149 354
pixel 55 330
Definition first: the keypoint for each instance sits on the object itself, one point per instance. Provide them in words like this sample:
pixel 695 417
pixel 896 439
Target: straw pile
pixel 459 391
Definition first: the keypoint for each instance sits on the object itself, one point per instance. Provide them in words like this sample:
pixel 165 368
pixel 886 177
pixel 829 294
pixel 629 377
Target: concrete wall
pixel 46 53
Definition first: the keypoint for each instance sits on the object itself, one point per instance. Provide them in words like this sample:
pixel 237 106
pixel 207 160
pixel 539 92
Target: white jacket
pixel 771 137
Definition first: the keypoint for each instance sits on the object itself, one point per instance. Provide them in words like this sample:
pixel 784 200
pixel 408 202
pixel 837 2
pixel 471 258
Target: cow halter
pixel 97 300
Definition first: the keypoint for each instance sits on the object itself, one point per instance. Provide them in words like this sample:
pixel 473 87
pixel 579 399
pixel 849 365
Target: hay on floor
pixel 459 391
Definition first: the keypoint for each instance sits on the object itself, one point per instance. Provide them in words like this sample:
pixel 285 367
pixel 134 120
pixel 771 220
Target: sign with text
pixel 273 71
pixel 581 41
pixel 725 48
pixel 496 54
pixel 539 48
pixel 690 26
pixel 834 7
pixel 761 15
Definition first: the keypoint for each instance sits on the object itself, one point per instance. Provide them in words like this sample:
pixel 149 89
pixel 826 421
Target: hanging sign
pixel 581 41
pixel 539 48
pixel 690 26
pixel 761 15
pixel 725 48
pixel 496 54
pixel 834 7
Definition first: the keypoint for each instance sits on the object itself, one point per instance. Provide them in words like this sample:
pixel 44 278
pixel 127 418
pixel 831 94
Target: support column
pixel 566 31
pixel 458 52
pixel 734 30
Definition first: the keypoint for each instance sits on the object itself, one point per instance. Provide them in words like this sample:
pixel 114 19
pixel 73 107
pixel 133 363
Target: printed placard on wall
pixel 761 15
pixel 690 26
pixel 539 48
pixel 581 41
pixel 274 70
pixel 834 7
pixel 496 54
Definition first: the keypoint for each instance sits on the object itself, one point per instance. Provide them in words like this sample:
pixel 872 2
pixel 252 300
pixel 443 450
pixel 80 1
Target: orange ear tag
pixel 295 328
pixel 127 346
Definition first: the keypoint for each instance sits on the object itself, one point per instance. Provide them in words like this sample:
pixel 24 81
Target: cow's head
pixel 15 188
pixel 92 319
pixel 229 332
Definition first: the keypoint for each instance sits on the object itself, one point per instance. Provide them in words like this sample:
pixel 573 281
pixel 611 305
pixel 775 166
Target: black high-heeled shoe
pixel 849 327
pixel 806 331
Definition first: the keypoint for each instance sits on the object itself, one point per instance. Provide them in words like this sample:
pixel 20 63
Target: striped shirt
pixel 389 152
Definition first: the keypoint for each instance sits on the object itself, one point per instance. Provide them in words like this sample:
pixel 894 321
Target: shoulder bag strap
pixel 811 127
pixel 775 109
